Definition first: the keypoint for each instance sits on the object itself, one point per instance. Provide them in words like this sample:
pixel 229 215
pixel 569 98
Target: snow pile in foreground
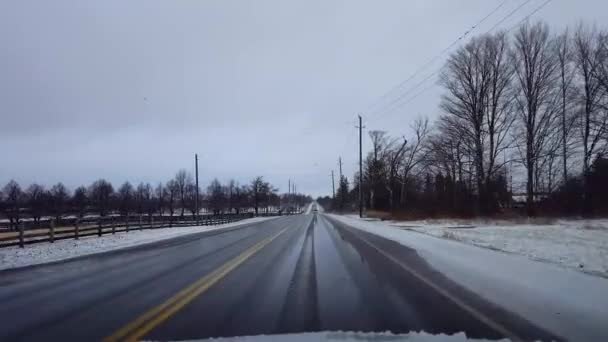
pixel 350 337
pixel 577 244
pixel 568 303
pixel 13 257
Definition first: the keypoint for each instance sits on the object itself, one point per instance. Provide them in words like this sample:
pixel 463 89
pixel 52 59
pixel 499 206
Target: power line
pixel 417 94
pixel 395 103
pixel 391 106
pixel 508 15
pixel 432 60
pixel 529 15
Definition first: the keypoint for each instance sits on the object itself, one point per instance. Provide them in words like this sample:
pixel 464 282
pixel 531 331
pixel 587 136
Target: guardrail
pixel 74 228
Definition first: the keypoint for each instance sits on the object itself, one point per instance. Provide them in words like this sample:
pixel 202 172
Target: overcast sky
pixel 130 90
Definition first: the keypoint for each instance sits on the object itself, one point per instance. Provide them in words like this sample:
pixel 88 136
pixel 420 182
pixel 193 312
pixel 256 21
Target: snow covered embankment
pixel 13 257
pixel 577 244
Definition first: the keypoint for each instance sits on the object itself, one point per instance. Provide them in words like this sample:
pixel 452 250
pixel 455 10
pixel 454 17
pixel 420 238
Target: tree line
pixel 530 105
pixel 178 196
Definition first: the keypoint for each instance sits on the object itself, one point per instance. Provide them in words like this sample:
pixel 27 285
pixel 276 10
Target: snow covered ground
pixel 577 244
pixel 564 301
pixel 13 257
pixel 343 336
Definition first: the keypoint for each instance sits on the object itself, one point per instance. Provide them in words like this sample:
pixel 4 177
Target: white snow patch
pixel 566 302
pixel 577 244
pixel 350 337
pixel 13 257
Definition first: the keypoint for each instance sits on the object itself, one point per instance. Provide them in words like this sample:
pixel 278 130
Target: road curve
pixel 301 273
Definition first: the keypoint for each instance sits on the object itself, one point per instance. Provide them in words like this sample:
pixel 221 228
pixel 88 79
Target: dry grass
pixel 382 215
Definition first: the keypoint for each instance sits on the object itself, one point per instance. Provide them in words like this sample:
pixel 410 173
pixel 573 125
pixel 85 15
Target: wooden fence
pixel 74 228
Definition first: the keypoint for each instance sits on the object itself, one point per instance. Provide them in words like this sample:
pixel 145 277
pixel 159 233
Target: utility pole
pixel 333 185
pixel 340 163
pixel 360 167
pixel 196 173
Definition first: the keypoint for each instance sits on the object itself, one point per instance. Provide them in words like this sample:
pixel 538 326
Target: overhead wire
pixel 396 103
pixel 529 15
pixel 433 59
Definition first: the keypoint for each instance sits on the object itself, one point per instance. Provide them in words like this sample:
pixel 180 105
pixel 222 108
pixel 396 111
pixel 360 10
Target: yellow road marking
pixel 152 318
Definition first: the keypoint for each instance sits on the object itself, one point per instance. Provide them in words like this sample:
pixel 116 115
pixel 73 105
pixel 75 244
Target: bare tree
pixel 241 197
pixel 143 196
pixel 601 74
pixel 191 197
pixel 172 195
pixel 100 194
pixel 80 201
pixel 126 196
pixel 13 201
pixel 536 68
pixel 375 163
pixel 566 70
pixel 593 118
pixel 230 192
pixel 477 104
pixel 59 197
pixel 259 189
pixel 159 194
pixel 395 158
pixel 36 199
pixel 217 196
pixel 413 154
pixel 182 178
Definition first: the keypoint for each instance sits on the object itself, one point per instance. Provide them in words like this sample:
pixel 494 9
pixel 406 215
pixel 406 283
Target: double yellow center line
pixel 152 318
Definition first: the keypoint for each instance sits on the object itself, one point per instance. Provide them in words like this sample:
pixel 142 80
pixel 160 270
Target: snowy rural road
pixel 292 274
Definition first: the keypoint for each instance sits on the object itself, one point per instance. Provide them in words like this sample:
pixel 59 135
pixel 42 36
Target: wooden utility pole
pixel 340 163
pixel 196 175
pixel 333 185
pixel 360 167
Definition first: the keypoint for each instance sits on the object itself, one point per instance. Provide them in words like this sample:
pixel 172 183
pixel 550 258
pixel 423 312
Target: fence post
pixel 140 223
pixel 127 223
pixel 99 227
pixel 76 229
pixel 21 244
pixel 52 230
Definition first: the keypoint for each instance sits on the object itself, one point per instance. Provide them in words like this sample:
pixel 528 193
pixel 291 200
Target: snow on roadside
pixel 344 336
pixel 14 257
pixel 577 244
pixel 571 304
pixel 308 208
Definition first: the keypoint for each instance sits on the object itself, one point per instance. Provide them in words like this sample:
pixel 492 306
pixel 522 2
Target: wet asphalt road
pixel 291 274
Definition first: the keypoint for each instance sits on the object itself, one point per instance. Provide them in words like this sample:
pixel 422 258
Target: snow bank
pixel 349 337
pixel 566 302
pixel 13 257
pixel 577 244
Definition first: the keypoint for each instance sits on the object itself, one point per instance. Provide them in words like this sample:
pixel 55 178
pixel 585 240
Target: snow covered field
pixel 544 293
pixel 577 244
pixel 13 257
